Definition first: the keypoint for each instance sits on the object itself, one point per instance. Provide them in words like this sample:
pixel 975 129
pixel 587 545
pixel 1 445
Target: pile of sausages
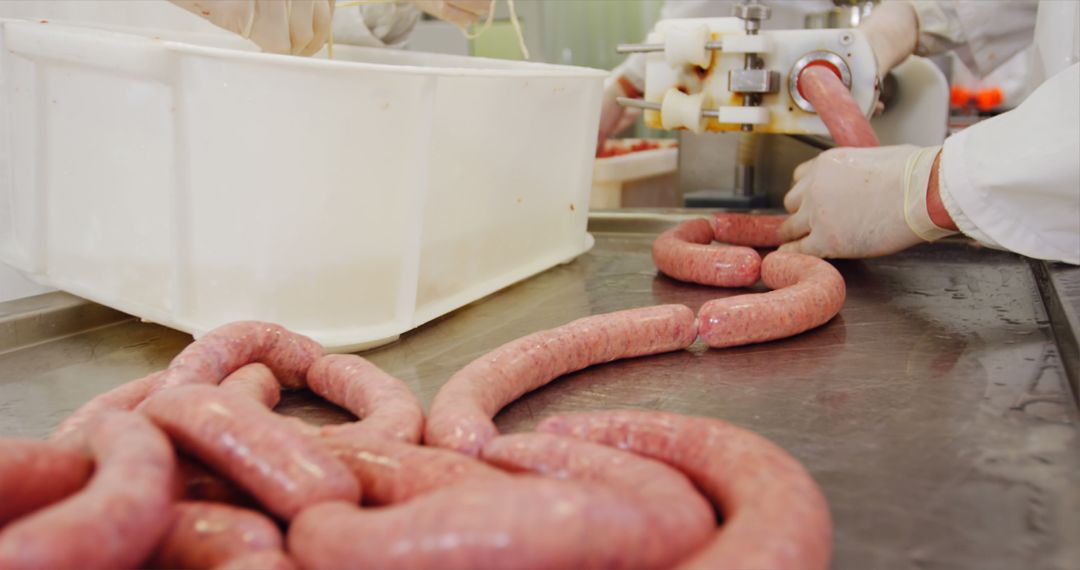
pixel 189 467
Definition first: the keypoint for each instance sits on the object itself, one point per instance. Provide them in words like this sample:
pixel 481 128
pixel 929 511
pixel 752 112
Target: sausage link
pixel 460 415
pixel 223 350
pixel 197 483
pixel 124 397
pixel 115 521
pixel 262 560
pixel 256 381
pixel 385 404
pixel 208 535
pixel 242 440
pixel 807 293
pixel 36 474
pixel 751 230
pixel 524 522
pixel 774 514
pixel 392 472
pixel 686 253
pixel 680 519
pixel 836 107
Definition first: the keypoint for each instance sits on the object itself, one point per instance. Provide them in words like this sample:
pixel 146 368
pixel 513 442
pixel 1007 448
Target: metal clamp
pixel 759 81
pixel 651 106
pixel 805 61
pixel 714 45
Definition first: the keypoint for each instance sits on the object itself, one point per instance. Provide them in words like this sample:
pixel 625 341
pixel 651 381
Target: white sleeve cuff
pixel 916 180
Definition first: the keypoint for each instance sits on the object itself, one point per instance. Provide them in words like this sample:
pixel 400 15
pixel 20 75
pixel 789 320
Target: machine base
pixel 724 199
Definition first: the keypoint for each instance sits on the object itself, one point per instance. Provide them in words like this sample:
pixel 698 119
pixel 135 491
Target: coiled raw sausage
pixel 124 397
pixel 256 381
pixel 524 521
pixel 384 404
pixel 460 415
pixel 242 440
pixel 752 230
pixel 392 472
pixel 679 519
pixel 223 350
pixel 807 293
pixel 208 535
pixel 197 483
pixel 774 514
pixel 36 474
pixel 115 521
pixel 686 253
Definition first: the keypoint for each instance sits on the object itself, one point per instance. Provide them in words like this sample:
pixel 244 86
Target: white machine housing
pixel 780 51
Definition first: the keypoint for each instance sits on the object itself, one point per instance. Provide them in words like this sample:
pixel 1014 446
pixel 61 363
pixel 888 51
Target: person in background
pixel 1010 182
pixel 302 27
pixel 628 79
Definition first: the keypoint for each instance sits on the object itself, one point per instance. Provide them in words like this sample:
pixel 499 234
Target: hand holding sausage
pixel 865 202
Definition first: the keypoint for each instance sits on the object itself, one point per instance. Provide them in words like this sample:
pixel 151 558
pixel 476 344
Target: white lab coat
pixel 1013 181
pixel 786 15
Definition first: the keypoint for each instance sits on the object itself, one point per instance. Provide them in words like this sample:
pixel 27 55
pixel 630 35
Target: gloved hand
pixel 614 118
pixel 462 13
pixel 893 32
pixel 862 202
pixel 298 27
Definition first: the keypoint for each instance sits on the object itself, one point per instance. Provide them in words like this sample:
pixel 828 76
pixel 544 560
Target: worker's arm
pixel 299 27
pixel 1010 182
pixel 388 24
pixel 1013 181
pixel 302 27
pixel 984 34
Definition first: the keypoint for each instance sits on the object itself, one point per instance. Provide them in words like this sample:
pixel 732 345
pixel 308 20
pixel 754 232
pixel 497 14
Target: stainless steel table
pixel 934 411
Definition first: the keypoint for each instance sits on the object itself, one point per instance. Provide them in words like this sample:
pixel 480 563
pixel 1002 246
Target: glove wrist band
pixel 916 178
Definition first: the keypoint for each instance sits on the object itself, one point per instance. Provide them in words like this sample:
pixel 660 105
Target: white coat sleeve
pixel 1013 181
pixel 984 34
pixel 384 24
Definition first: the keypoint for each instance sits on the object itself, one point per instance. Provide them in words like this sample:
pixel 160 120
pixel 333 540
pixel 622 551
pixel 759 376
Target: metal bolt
pixel 751 11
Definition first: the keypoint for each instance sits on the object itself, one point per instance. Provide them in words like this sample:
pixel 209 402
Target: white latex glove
pixel 861 202
pixel 614 118
pixel 462 13
pixel 298 27
pixel 893 31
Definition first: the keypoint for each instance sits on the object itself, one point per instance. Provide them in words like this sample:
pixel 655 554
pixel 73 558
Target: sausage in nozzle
pixel 461 414
pixel 686 253
pixel 807 292
pixel 832 100
pixel 775 516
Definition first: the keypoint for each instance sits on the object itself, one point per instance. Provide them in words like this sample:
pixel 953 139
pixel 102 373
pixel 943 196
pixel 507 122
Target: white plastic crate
pixel 351 201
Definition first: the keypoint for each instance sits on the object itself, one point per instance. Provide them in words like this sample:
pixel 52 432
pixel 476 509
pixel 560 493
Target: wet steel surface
pixel 934 411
